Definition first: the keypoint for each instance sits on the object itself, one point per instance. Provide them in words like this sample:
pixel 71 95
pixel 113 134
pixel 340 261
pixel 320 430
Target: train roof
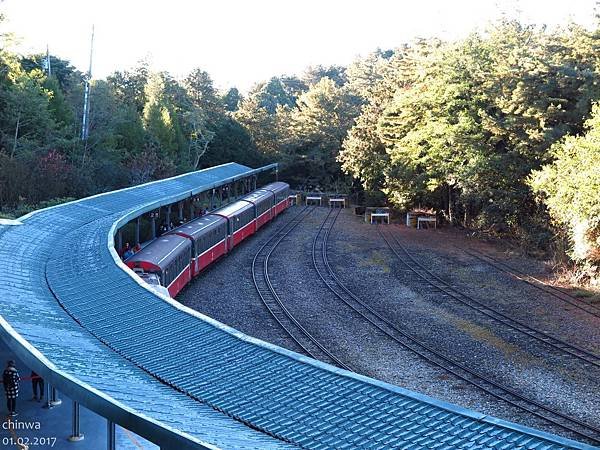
pixel 194 228
pixel 162 250
pixel 276 186
pixel 234 208
pixel 258 195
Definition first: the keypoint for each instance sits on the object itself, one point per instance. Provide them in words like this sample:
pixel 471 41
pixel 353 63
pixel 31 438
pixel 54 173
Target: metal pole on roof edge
pixel 76 434
pixel 111 435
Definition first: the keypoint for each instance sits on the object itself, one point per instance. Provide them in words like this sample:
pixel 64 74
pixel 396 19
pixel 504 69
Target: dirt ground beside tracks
pixel 362 260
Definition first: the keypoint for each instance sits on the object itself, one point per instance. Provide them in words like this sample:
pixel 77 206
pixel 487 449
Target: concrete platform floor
pixel 43 428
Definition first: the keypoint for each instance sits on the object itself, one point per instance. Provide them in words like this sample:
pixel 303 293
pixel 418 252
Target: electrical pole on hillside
pixel 48 67
pixel 86 96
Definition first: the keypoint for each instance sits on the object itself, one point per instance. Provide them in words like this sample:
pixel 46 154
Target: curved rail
pixel 435 357
pixel 537 283
pixel 274 304
pixel 429 277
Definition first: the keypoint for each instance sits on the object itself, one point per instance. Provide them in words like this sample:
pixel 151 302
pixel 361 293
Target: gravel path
pixel 362 260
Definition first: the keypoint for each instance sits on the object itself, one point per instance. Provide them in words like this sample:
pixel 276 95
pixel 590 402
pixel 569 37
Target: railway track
pixel 430 353
pixel 262 282
pixel 556 344
pixel 533 281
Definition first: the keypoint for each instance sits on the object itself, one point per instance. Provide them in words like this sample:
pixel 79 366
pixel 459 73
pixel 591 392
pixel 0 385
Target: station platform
pixel 45 428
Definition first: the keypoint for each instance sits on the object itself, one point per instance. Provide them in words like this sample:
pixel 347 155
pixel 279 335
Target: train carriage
pixel 281 191
pixel 169 257
pixel 241 221
pixel 263 201
pixel 208 236
pixel 183 252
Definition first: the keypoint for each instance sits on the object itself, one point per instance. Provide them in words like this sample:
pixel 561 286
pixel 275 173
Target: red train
pixel 181 254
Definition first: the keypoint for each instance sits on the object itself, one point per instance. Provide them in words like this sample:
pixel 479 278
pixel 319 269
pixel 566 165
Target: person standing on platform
pixel 37 382
pixel 10 379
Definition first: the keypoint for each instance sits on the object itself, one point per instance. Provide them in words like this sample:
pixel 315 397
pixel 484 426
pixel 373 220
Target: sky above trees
pixel 240 42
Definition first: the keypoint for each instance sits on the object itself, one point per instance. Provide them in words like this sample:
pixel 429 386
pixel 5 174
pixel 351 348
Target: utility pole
pixel 48 67
pixel 86 96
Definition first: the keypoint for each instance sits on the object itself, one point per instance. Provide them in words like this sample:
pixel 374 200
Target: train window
pixel 263 206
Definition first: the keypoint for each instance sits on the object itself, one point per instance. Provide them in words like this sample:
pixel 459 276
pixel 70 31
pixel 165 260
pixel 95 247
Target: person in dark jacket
pixel 10 379
pixel 37 382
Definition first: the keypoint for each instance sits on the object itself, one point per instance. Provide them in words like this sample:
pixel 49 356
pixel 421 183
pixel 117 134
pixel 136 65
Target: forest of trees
pixel 498 131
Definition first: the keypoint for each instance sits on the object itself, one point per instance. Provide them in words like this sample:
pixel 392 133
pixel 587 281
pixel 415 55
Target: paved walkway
pixel 43 428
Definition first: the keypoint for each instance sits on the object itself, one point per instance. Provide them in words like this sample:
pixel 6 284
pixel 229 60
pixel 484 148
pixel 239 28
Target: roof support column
pixel 254 177
pixel 180 206
pixel 137 230
pixel 54 399
pixel 111 436
pixel 153 216
pixel 168 218
pixel 76 434
pixel 212 200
